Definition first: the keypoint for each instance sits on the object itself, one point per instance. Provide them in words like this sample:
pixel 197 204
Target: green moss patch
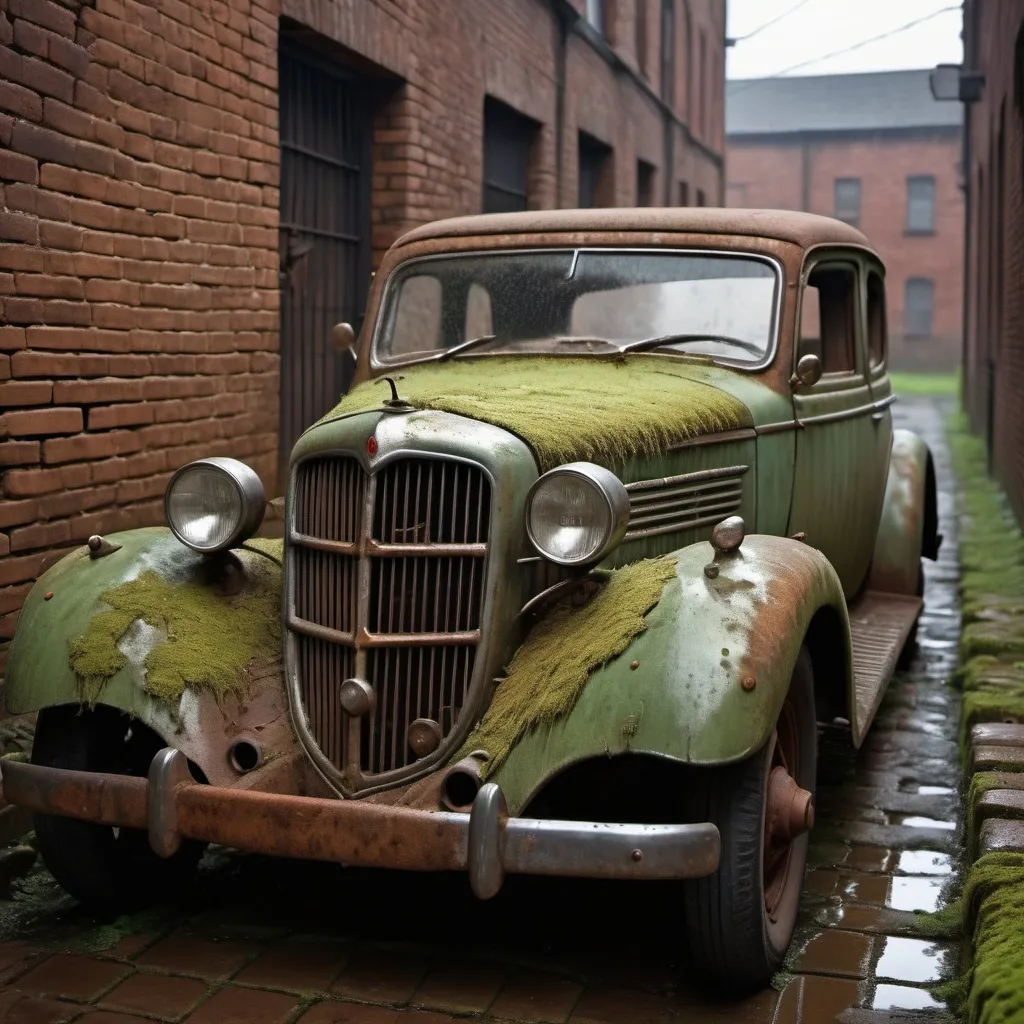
pixel 549 671
pixel 209 641
pixel 605 411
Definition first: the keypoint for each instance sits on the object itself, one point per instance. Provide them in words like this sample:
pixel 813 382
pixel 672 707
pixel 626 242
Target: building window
pixel 847 200
pixel 508 138
pixel 595 14
pixel 701 198
pixel 702 85
pixel 684 194
pixel 921 205
pixel 640 29
pixel 668 51
pixel 644 183
pixel 595 161
pixel 917 307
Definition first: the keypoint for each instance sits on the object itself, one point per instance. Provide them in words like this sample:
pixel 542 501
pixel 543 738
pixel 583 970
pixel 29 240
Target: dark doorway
pixel 508 139
pixel 326 119
pixel 594 166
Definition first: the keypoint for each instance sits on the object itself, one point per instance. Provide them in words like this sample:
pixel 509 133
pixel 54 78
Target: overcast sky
pixel 821 27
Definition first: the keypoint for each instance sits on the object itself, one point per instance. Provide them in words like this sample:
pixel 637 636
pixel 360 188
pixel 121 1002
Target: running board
pixel 879 626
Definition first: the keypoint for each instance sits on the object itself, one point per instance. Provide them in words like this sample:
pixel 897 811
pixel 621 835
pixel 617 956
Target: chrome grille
pixel 386 584
pixel 682 502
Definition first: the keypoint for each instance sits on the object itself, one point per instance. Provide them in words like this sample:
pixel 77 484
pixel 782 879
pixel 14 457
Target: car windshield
pixel 571 301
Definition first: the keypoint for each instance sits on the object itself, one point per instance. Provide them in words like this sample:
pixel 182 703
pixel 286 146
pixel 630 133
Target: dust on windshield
pixel 577 301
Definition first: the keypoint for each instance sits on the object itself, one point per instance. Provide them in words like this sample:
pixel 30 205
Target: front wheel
pixel 740 920
pixel 109 869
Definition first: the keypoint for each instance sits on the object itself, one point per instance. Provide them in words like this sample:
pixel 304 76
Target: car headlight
pixel 214 504
pixel 577 514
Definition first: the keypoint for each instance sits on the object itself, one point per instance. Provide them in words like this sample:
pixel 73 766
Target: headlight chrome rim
pixel 252 502
pixel 611 491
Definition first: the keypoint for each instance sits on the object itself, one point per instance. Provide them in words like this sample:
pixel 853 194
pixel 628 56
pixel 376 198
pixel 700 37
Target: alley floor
pixel 270 942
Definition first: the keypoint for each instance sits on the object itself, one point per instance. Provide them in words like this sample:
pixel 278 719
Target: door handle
pixel 877 417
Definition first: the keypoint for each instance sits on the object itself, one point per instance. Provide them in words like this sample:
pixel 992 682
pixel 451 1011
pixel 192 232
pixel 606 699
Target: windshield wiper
pixel 465 346
pixel 681 339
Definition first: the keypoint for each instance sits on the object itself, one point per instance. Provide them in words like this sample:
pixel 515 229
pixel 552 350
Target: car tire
pixel 738 935
pixel 110 870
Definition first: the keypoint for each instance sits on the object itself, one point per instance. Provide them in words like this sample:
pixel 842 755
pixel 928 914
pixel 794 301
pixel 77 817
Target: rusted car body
pixel 741 463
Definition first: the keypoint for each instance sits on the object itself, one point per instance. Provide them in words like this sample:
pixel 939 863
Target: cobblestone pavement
pixel 262 941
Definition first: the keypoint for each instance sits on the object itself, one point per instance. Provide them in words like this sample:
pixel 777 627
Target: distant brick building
pixel 993 382
pixel 194 191
pixel 878 151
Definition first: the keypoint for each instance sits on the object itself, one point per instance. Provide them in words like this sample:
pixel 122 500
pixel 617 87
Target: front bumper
pixel 486 843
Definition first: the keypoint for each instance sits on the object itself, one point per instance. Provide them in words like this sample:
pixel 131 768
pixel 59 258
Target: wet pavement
pixel 259 941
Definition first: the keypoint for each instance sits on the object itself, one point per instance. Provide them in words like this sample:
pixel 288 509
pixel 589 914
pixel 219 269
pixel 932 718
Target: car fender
pixel 68 597
pixel 705 682
pixel 908 527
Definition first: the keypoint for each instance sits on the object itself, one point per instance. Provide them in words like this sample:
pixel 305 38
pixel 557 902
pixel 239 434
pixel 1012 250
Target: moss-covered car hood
pixel 602 410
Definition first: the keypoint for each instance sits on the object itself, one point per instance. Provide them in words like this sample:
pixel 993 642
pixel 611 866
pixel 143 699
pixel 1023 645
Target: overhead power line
pixel 774 21
pixel 857 46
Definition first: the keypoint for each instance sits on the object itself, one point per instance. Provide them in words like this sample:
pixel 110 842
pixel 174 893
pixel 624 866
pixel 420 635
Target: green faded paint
pixel 684 700
pixel 40 669
pixel 896 563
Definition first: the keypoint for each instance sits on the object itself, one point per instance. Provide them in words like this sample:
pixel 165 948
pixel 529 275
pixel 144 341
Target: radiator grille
pixel 386 585
pixel 683 502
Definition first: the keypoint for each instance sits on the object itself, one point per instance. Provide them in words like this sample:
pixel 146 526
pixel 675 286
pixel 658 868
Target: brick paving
pixel 282 942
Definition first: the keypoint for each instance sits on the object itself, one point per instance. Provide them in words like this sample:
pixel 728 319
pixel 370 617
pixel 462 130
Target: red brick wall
pixel 138 262
pixel 994 349
pixel 772 175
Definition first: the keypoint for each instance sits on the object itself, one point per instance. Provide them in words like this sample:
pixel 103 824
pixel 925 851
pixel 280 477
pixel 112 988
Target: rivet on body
pixel 748 683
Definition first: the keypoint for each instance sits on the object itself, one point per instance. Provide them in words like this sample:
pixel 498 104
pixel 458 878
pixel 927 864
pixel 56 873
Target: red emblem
pixel 371 445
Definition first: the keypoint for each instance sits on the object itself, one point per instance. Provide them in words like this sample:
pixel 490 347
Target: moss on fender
pixel 569 409
pixel 549 671
pixel 207 639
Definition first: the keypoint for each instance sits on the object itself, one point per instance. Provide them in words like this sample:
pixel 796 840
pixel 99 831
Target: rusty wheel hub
pixel 790 810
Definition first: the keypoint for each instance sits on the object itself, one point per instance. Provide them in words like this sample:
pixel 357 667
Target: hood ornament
pixel 395 403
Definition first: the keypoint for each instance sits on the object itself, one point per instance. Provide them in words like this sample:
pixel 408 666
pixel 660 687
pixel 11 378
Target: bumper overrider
pixel 487 843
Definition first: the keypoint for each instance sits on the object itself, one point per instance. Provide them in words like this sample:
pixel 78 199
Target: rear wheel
pixel 107 868
pixel 740 920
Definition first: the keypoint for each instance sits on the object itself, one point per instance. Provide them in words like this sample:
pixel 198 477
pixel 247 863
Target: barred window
pixel 847 200
pixel 921 204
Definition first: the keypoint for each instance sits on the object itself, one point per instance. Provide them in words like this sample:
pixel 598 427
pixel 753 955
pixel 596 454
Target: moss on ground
pixel 547 674
pixel 208 639
pixel 925 383
pixel 570 409
pixel 991 675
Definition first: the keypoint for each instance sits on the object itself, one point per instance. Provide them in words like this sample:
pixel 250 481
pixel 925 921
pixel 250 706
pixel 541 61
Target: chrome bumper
pixel 486 843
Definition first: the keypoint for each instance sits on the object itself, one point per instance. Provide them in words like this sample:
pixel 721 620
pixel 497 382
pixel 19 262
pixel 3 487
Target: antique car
pixel 611 522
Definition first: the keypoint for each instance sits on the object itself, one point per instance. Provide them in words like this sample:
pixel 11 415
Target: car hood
pixel 607 411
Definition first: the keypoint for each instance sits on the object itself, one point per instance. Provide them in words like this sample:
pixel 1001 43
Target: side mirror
pixel 808 371
pixel 343 338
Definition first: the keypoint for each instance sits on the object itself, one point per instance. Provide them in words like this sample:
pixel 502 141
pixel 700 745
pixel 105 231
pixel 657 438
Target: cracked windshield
pixel 578 301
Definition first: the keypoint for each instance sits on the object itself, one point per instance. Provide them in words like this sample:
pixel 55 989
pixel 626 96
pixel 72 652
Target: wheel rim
pixel 789 811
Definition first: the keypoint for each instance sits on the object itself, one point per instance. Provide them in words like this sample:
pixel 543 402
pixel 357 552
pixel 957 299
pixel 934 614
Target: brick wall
pixel 994 347
pixel 138 262
pixel 800 174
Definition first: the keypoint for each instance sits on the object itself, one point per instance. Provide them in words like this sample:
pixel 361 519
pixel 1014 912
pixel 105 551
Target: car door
pixel 843 433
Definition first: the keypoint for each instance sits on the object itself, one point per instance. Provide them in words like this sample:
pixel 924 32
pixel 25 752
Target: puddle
pixel 913 960
pixel 935 790
pixel 916 821
pixel 916 893
pixel 924 862
pixel 899 997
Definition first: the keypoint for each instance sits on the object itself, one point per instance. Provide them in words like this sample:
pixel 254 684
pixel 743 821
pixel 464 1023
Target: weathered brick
pixel 17 167
pixel 19 453
pixel 17 393
pixel 18 227
pixel 40 535
pixel 45 13
pixel 89 392
pixel 49 364
pixel 90 446
pixel 42 143
pixel 14 513
pixel 20 101
pixel 12 597
pixel 12 338
pixel 36 422
pixel 129 415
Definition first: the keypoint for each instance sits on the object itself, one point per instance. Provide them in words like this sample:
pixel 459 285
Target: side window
pixel 828 318
pixel 417 326
pixel 478 312
pixel 877 341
